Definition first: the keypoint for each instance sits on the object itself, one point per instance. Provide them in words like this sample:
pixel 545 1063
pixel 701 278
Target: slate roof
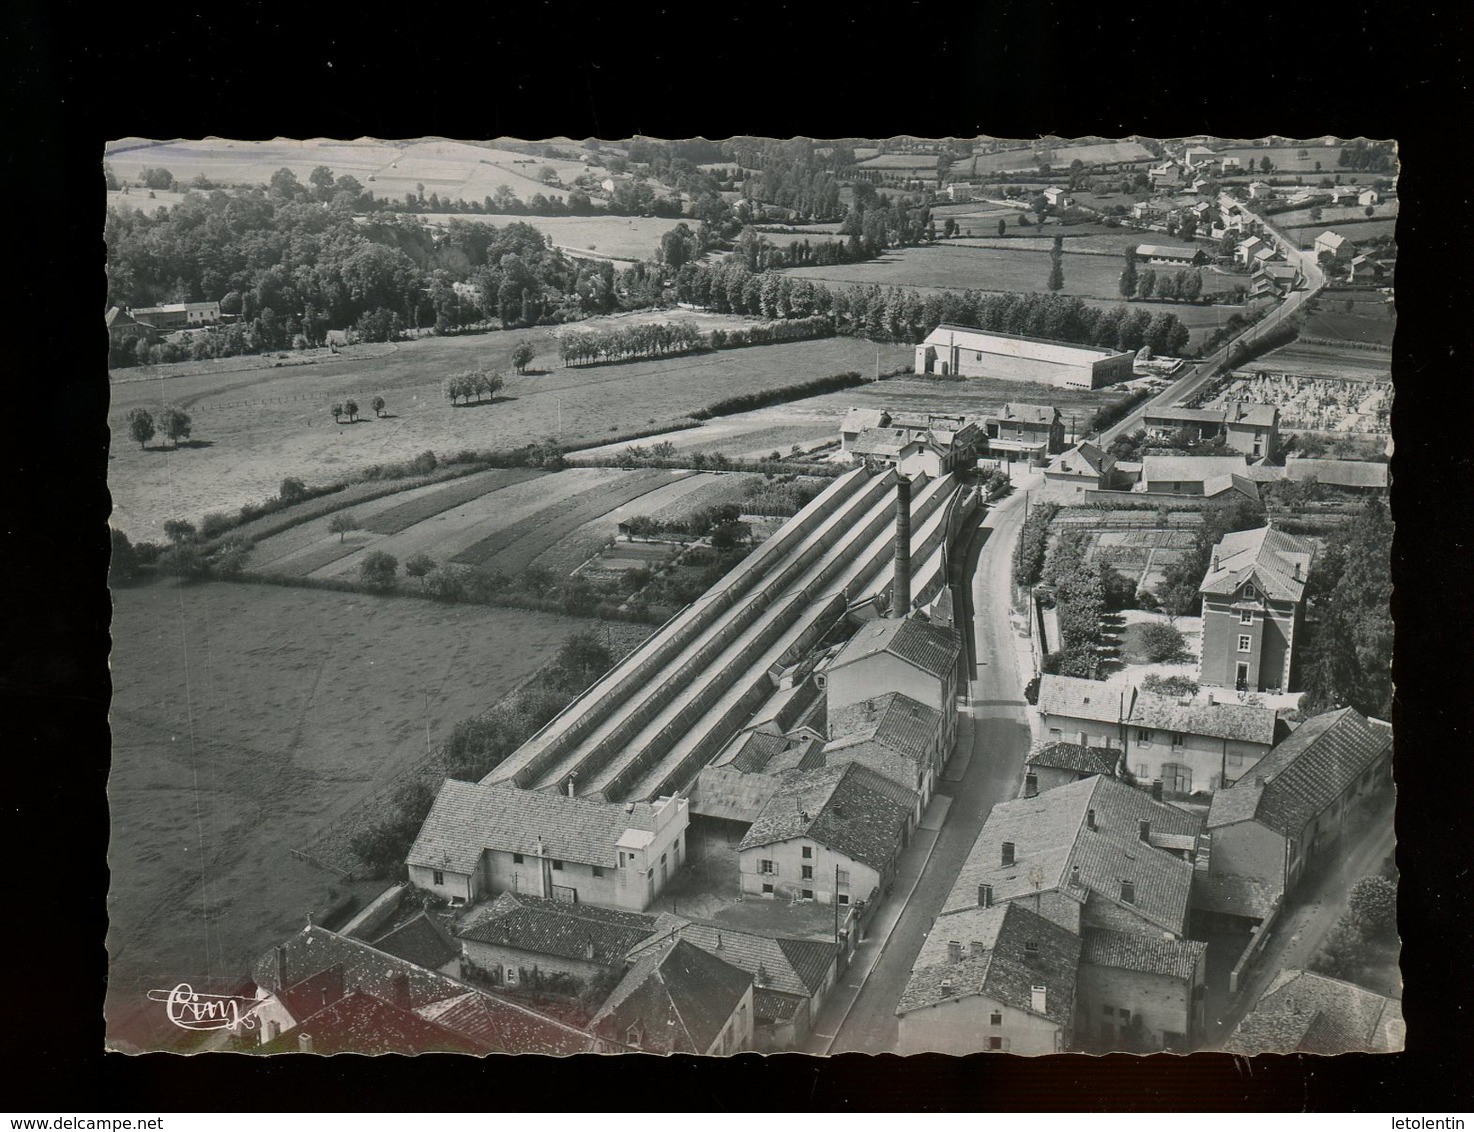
pixel 1190 469
pixel 1302 1012
pixel 894 719
pixel 470 817
pixel 850 810
pixel 1264 555
pixel 361 1023
pixel 1072 756
pixel 1338 473
pixel 882 760
pixel 1130 951
pixel 775 1006
pixel 998 964
pixel 1085 459
pixel 931 648
pixel 558 928
pixel 1078 698
pixel 678 996
pixel 1302 776
pixel 421 941
pixel 1051 838
pixel 1244 722
pixel 792 966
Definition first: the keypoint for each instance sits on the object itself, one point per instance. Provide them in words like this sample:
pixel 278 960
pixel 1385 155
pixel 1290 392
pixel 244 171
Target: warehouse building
pixel 966 351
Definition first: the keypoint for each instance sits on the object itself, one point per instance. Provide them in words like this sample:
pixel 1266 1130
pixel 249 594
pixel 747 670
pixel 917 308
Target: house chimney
pixel 901 577
pixel 761 978
pixel 946 986
pixel 1089 819
pixel 1144 830
pixel 1215 561
pixel 1075 875
pixel 304 1043
pixel 401 991
pixel 954 951
pixel 1038 998
pixel 719 941
pixel 571 778
pixel 1156 790
pixel 1260 780
pixel 1008 852
pixel 281 968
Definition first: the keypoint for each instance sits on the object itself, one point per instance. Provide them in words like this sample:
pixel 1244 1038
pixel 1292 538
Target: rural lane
pixel 985 769
pixel 1203 370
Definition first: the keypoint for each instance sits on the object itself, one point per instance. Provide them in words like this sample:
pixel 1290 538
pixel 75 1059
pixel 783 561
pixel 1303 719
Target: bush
pixel 418 565
pixel 1373 906
pixel 291 490
pixel 423 464
pixel 123 565
pixel 183 560
pixel 230 557
pixel 1174 686
pixel 1160 643
pixel 1033 540
pixel 760 400
pixel 1343 954
pixel 378 570
pixel 213 525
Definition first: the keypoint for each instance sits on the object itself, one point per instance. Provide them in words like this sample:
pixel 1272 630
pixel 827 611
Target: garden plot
pixel 1142 556
pixel 1319 404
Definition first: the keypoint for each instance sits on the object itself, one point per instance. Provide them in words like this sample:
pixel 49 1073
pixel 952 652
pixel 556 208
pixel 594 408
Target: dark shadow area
pixel 182 444
pixel 535 373
pixel 481 404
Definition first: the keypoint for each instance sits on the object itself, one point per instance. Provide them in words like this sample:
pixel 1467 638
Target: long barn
pixel 966 351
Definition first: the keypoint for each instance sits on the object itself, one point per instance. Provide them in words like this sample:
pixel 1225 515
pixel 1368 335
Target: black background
pixel 77 76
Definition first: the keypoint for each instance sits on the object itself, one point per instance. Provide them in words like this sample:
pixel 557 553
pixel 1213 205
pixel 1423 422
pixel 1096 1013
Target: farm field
pixel 255 427
pixel 626 238
pixel 1287 159
pixel 138 200
pixel 1370 317
pixel 1101 153
pixel 244 718
pixel 1353 230
pixel 1079 239
pixel 1309 358
pixel 1332 215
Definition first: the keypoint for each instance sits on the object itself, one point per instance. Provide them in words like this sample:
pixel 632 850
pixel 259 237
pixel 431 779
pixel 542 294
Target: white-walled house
pixel 898 654
pixel 482 839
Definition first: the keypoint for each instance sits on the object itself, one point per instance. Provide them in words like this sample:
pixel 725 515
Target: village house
pixel 1229 165
pixel 1208 476
pixel 897 654
pixel 1088 713
pixel 121 326
pixel 1289 810
pixel 1166 423
pixel 516 934
pixel 1195 747
pixel 1166 175
pixel 829 835
pixel 1081 469
pixel 677 998
pixel 791 978
pixel 998 980
pixel 1260 190
pixel 1059 764
pixel 1026 432
pixel 1302 1012
pixel 1171 254
pixel 857 422
pixel 1057 197
pixel 178 316
pixel 1198 155
pixel 932 446
pixel 1253 610
pixel 1335 245
pixel 1273 280
pixel 1095 853
pixel 893 735
pixel 1248 250
pixel 481 839
pixel 959 191
pixel 1251 428
pixel 966 351
pixel 1368 196
pixel 1363 269
pixel 342 995
pixel 1138 993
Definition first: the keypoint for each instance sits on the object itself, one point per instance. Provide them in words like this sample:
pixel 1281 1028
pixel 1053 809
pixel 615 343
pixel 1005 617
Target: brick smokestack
pixel 901 579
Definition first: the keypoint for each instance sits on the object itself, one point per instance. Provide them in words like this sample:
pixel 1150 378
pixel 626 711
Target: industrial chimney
pixel 901 579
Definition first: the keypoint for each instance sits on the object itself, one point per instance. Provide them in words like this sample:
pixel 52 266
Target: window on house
pixel 807 894
pixel 438 877
pixel 765 866
pixel 1250 592
pixel 996 1018
pixel 1246 617
pixel 1108 1011
pixel 1128 892
pixel 808 852
pixel 1143 735
pixel 1031 785
pixel 1055 733
pixel 842 877
pixel 1177 738
pixel 808 873
pixel 516 858
pixel 598 872
pixel 1031 946
pixel 767 890
pixel 1235 758
pixel 995 1042
pixel 1246 643
pixel 1141 770
pixel 844 897
pixel 558 865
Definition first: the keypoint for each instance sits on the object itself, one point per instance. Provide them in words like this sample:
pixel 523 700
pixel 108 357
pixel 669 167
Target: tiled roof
pixel 1265 473
pixel 1251 414
pixel 1233 894
pixel 805 753
pixel 722 792
pixel 754 749
pixel 1016 412
pixel 1309 1013
pixel 470 817
pixel 554 927
pixel 1085 459
pixel 850 810
pixel 361 1023
pixel 421 941
pixel 497 1025
pixel 882 760
pixel 1331 239
pixel 1302 776
pixel 1264 555
pixel 1244 722
pixel 1072 756
pixel 775 1006
pixel 1008 950
pixel 931 648
pixel 1190 469
pixel 677 996
pixel 314 950
pixel 1052 839
pixel 894 719
pixel 1130 951
pixel 1218 485
pixel 1177 413
pixel 1078 698
pixel 793 966
pixel 858 420
pixel 1338 473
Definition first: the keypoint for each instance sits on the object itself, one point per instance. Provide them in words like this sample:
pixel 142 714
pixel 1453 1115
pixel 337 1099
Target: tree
pixel 337 410
pixel 351 408
pixel 291 490
pixel 378 569
pixel 179 531
pixel 1372 906
pixel 1002 226
pixel 341 523
pixel 1160 643
pixel 123 563
pixel 1057 265
pixel 174 423
pixel 1129 275
pixel 522 356
pixel 419 565
pixel 377 404
pixel 141 426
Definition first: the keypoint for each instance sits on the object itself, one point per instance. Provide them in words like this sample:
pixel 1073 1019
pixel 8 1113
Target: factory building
pixel 966 351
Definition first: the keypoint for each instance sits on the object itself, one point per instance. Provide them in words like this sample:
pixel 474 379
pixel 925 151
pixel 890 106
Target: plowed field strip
pixel 400 518
pixel 513 548
pixel 303 564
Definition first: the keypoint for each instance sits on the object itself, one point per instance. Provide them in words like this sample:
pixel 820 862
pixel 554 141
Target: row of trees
pixel 172 422
pixel 648 340
pixel 476 383
pixel 1145 283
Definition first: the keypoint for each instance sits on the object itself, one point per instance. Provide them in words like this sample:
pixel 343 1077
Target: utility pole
pixel 427 721
pixel 835 897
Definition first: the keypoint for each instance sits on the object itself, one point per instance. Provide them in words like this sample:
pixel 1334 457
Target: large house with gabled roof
pixel 1291 807
pixel 1303 1012
pixel 677 998
pixel 1253 610
pixel 1136 992
pixel 898 654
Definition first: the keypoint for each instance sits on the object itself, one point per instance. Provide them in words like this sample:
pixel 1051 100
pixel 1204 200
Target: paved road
pixel 1184 387
pixel 993 738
